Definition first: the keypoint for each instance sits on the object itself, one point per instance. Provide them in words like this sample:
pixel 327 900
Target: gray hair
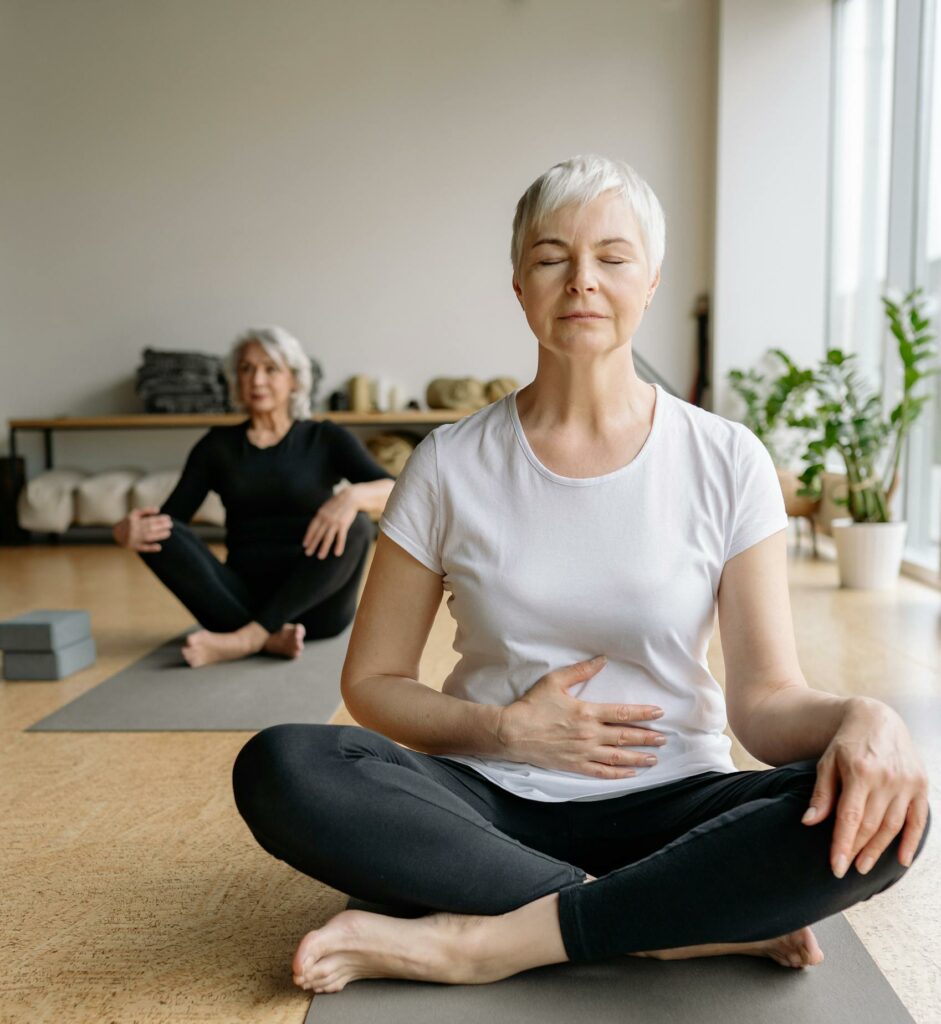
pixel 283 348
pixel 581 180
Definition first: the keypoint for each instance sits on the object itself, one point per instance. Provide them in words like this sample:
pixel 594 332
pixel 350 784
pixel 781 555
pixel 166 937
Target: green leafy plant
pixel 849 415
pixel 771 400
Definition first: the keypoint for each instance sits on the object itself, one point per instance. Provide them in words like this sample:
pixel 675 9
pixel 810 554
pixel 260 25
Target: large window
pixel 923 490
pixel 885 227
pixel 862 123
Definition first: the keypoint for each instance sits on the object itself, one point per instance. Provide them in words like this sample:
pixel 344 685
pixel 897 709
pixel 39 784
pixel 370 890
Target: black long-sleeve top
pixel 271 494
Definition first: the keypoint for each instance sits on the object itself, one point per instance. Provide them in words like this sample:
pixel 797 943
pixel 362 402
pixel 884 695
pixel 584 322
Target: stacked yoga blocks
pixel 54 500
pixel 46 645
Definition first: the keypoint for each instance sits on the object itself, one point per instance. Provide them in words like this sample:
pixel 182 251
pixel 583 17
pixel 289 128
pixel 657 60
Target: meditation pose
pixel 569 794
pixel 296 550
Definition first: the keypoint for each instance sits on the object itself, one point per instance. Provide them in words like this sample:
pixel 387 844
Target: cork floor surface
pixel 134 893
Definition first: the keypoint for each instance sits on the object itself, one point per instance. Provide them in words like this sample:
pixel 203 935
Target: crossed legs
pixel 710 864
pixel 267 597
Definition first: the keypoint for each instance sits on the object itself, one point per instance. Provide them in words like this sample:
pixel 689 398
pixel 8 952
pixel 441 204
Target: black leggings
pixel 713 857
pixel 270 584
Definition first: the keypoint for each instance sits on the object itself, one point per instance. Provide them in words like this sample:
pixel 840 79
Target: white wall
pixel 771 198
pixel 173 172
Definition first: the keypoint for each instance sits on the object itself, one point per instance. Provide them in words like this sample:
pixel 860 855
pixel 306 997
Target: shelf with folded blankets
pixel 47 426
pixel 56 501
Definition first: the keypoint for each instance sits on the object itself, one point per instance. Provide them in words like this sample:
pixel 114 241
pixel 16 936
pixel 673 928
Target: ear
pixel 654 284
pixel 519 292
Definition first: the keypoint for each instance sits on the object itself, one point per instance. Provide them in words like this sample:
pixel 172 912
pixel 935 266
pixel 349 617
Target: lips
pixel 583 316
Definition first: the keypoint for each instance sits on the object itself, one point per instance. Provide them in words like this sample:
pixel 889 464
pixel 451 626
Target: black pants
pixel 710 858
pixel 270 583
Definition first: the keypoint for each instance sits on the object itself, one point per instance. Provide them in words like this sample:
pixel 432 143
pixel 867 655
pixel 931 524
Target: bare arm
pixel 777 717
pixel 393 620
pixel 371 497
pixel 796 722
pixel 869 774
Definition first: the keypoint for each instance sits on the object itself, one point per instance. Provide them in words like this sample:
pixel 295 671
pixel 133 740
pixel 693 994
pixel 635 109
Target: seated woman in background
pixel 275 475
pixel 585 527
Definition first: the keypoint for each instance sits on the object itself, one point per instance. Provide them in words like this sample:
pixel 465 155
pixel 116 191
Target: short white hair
pixel 581 180
pixel 283 348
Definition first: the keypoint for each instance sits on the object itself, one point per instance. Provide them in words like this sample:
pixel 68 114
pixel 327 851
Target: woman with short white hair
pixel 275 474
pixel 585 527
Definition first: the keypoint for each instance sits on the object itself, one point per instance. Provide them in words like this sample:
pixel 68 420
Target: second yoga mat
pixel 161 693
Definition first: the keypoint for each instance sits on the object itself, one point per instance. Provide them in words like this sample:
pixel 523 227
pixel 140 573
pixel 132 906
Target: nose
pixel 582 278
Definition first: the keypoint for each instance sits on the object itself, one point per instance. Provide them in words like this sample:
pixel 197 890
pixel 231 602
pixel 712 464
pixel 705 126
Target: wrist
pixel 503 730
pixel 860 704
pixel 357 498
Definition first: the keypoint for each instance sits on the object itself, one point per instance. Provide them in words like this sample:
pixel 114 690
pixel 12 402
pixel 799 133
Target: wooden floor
pixel 134 893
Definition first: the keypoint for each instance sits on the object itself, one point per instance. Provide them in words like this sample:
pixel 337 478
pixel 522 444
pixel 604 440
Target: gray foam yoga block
pixel 44 630
pixel 29 665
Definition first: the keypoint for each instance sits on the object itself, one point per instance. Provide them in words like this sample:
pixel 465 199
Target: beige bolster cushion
pixel 47 502
pixel 154 489
pixel 104 499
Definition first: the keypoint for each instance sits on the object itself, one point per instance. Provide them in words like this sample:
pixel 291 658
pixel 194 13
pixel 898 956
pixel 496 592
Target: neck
pixel 277 421
pixel 586 396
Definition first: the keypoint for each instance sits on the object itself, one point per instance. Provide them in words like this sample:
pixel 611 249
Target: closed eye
pixel 550 263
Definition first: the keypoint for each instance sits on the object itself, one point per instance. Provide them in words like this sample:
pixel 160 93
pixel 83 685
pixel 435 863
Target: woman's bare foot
pixel 288 642
pixel 358 944
pixel 796 949
pixel 460 949
pixel 205 648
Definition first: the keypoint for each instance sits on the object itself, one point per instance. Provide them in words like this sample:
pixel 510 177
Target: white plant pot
pixel 869 555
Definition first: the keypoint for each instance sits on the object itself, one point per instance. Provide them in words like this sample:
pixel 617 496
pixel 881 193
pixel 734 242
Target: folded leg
pixel 744 872
pixel 352 808
pixel 217 597
pixel 291 586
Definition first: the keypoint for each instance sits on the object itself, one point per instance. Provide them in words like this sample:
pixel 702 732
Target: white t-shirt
pixel 545 570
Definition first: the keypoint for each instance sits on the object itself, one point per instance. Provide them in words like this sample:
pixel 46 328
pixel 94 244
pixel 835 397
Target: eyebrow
pixel 604 241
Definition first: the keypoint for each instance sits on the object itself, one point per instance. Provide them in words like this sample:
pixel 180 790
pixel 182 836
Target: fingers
pixel 154 529
pixel 602 770
pixel 617 714
pixel 849 816
pixel 892 818
pixel 849 812
pixel 906 815
pixel 821 801
pixel 866 822
pixel 327 541
pixel 312 537
pixel 618 756
pixel 153 518
pixel 569 675
pixel 149 547
pixel 322 534
pixel 637 737
pixel 609 713
pixel 916 823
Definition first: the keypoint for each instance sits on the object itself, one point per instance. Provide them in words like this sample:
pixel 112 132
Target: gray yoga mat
pixel 161 693
pixel 847 988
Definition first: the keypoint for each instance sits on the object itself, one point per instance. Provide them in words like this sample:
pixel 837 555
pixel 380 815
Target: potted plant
pixel 849 418
pixel 770 403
